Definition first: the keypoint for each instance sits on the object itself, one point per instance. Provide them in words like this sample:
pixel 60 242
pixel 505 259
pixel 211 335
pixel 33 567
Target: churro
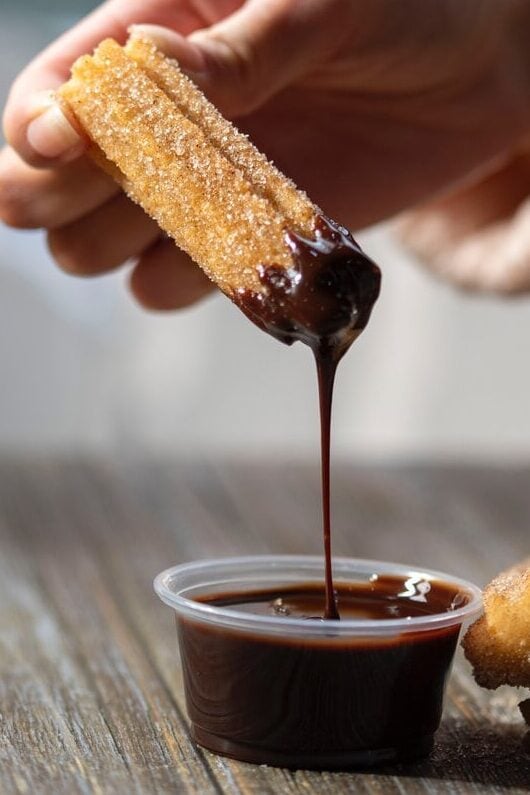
pixel 258 237
pixel 207 186
pixel 498 644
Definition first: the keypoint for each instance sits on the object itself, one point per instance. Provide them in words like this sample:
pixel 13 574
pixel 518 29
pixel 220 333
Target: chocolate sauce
pixel 381 598
pixel 324 300
pixel 319 701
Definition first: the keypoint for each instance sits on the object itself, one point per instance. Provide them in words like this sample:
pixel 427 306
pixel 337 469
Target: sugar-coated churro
pixel 260 239
pixel 498 644
pixel 204 182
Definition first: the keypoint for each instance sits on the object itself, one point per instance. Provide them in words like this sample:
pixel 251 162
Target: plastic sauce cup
pixel 288 691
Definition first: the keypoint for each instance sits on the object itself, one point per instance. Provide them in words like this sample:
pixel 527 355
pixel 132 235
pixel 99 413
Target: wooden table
pixel 91 696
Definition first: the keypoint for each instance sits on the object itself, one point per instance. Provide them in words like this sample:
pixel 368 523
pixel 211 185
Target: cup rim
pixel 166 586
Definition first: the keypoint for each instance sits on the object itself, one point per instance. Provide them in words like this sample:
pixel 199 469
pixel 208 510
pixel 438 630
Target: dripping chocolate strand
pixel 325 301
pixel 326 369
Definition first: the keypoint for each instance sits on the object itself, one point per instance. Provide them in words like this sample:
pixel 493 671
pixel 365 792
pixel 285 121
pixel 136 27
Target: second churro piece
pixel 498 644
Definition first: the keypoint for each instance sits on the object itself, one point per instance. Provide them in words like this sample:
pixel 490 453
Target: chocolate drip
pixel 324 300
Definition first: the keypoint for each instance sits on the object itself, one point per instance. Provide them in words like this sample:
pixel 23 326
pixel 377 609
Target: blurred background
pixel 437 374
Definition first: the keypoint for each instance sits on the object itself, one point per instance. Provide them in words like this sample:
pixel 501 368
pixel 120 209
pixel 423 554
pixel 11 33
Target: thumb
pixel 34 125
pixel 260 49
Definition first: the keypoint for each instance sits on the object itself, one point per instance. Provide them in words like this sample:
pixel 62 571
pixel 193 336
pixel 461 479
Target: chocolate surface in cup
pixel 324 300
pixel 330 701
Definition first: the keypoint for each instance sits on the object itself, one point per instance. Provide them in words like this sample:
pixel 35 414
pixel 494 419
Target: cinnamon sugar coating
pixel 498 644
pixel 174 154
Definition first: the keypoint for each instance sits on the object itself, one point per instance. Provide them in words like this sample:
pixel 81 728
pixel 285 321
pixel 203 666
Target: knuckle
pixel 16 205
pixel 74 255
pixel 141 295
pixel 238 90
pixel 147 302
pixel 512 285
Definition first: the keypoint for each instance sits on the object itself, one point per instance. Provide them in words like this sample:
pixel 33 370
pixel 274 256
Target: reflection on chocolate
pixel 381 598
pixel 324 300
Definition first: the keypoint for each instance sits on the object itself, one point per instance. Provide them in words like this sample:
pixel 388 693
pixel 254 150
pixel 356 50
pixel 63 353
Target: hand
pixel 478 235
pixel 372 108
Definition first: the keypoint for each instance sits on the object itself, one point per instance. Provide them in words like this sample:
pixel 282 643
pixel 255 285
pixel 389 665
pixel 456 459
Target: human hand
pixel 372 108
pixel 478 235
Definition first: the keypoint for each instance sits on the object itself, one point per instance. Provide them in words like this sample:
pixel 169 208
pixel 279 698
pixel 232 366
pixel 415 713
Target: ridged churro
pixel 258 237
pixel 204 182
pixel 498 644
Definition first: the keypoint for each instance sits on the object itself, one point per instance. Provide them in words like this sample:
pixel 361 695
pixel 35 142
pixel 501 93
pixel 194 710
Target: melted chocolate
pixel 381 598
pixel 321 702
pixel 324 300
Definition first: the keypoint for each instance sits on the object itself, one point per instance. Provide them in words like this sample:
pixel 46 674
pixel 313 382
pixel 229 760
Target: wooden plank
pixel 90 692
pixel 89 714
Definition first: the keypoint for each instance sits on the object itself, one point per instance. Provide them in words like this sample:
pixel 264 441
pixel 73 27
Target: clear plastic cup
pixel 301 693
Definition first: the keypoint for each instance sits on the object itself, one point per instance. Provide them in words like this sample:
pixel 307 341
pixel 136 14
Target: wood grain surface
pixel 91 697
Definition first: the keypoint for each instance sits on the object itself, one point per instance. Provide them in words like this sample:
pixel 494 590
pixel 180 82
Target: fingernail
pixel 51 135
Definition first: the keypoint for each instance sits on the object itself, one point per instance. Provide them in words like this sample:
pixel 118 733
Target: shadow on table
pixel 480 755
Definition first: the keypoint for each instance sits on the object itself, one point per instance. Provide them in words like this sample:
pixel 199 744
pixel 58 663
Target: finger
pixel 172 43
pixel 477 236
pixel 495 259
pixel 166 278
pixel 250 55
pixel 31 198
pixel 492 196
pixel 103 239
pixel 33 124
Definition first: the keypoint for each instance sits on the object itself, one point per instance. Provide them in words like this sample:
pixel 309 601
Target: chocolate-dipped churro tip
pixel 324 299
pixel 246 224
